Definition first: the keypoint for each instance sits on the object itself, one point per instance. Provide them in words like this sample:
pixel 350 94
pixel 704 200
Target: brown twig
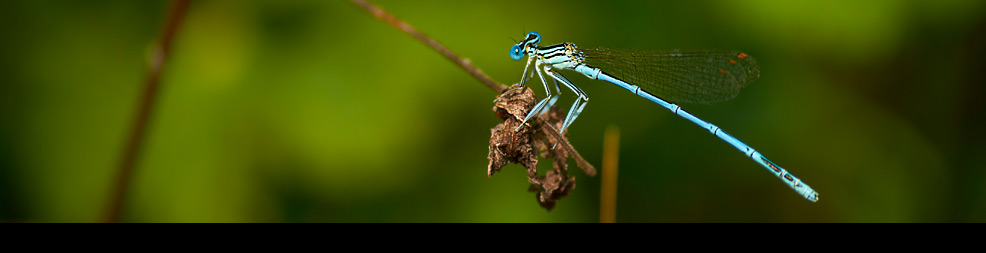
pixel 400 25
pixel 507 145
pixel 132 149
pixel 582 163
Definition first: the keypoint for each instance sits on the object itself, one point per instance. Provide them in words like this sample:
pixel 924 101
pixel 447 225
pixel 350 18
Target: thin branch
pixel 400 25
pixel 133 146
pixel 581 162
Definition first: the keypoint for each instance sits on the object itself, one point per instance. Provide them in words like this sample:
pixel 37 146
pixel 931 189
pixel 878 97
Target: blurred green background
pixel 314 111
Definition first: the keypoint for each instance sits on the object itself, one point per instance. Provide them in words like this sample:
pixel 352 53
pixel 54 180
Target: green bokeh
pixel 314 111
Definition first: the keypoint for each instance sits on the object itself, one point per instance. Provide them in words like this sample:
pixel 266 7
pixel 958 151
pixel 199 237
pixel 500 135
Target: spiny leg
pixel 553 99
pixel 526 67
pixel 577 112
pixel 579 103
pixel 523 77
pixel 540 105
pixel 506 92
pixel 573 113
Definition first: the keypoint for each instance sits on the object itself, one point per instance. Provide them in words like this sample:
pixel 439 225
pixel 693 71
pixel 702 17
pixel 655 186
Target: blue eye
pixel 516 53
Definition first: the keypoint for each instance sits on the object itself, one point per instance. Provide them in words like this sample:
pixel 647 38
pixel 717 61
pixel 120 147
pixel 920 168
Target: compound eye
pixel 516 53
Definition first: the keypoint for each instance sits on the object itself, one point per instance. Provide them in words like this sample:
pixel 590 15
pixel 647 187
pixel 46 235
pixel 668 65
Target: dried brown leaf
pixel 521 146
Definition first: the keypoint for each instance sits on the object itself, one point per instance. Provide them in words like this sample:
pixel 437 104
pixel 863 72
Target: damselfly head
pixel 531 40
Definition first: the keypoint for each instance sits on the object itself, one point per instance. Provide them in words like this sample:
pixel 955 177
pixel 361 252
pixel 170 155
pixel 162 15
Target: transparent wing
pixel 701 76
